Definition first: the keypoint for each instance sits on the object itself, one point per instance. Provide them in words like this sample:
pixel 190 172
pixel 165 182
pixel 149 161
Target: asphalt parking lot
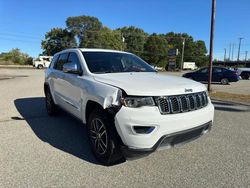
pixel 41 151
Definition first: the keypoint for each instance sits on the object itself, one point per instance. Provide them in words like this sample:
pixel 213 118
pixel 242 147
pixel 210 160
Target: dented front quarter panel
pixel 105 95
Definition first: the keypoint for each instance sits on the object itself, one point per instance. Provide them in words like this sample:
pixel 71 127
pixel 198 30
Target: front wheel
pixel 103 138
pixel 50 105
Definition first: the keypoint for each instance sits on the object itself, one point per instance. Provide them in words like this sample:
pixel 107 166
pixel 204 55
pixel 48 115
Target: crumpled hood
pixel 150 83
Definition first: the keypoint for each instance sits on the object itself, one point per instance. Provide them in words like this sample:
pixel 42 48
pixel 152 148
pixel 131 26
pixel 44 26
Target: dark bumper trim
pixel 168 141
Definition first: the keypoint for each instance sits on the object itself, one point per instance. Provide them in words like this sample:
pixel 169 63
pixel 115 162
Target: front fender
pixel 103 94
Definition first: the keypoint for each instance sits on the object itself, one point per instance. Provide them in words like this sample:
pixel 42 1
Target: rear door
pixel 202 75
pixel 217 74
pixel 58 80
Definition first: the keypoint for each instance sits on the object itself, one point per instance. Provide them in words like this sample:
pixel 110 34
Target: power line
pixel 19 35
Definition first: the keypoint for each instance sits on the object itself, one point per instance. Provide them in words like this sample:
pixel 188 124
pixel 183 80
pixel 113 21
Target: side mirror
pixel 71 68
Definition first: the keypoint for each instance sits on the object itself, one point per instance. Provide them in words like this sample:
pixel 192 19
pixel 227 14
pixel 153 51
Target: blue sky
pixel 23 24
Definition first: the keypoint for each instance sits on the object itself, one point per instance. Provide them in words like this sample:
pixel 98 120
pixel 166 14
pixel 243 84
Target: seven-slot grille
pixel 181 103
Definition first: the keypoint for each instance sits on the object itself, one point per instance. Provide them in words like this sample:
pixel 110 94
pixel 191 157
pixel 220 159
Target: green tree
pixel 56 40
pixel 107 39
pixel 17 57
pixel 156 50
pixel 195 51
pixel 200 52
pixel 85 28
pixel 134 38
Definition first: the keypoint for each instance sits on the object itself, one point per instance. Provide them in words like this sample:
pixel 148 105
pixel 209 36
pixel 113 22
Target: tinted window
pixel 73 58
pixel 217 70
pixel 112 62
pixel 228 70
pixel 62 60
pixel 54 60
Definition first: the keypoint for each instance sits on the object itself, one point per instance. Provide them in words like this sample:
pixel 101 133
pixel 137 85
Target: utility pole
pixel 182 53
pixel 238 58
pixel 229 55
pixel 211 45
pixel 225 56
pixel 233 52
pixel 246 58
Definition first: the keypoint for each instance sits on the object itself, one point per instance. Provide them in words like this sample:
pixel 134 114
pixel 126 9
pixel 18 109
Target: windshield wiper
pixel 102 72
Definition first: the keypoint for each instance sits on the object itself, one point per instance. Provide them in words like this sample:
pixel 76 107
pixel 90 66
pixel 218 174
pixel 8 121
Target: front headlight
pixel 135 102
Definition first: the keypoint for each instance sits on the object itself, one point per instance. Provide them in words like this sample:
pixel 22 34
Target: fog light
pixel 143 129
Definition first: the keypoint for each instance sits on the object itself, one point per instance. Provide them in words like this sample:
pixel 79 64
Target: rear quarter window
pixel 54 60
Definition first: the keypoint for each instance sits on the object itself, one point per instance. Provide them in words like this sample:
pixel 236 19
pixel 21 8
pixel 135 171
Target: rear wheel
pixel 39 66
pixel 245 76
pixel 104 140
pixel 224 81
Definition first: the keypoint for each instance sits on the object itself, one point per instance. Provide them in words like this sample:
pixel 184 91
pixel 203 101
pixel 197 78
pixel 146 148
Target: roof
pixel 94 50
pixel 99 50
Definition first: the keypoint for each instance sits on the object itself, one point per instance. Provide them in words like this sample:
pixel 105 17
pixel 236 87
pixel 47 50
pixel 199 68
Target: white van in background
pixel 189 66
pixel 42 62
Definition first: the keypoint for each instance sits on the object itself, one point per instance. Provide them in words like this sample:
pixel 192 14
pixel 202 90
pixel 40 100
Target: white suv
pixel 130 109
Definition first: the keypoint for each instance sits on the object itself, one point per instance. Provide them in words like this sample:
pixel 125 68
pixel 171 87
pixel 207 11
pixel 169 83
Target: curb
pixel 16 67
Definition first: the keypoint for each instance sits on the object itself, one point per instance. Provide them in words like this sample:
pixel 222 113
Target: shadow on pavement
pixel 216 101
pixel 62 132
pixel 222 103
pixel 230 106
pixel 229 109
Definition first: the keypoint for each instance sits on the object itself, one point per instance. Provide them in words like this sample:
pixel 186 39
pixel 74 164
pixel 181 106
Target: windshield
pixel 114 62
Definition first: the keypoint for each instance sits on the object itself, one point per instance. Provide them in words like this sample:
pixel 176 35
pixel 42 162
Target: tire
pixel 103 138
pixel 224 81
pixel 245 76
pixel 50 105
pixel 39 66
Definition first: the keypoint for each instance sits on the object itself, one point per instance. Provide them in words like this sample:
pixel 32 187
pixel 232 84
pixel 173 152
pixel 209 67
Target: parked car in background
pixel 219 74
pixel 42 62
pixel 244 73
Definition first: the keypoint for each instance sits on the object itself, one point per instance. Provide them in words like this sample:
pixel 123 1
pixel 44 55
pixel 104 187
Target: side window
pixel 61 61
pixel 54 60
pixel 73 58
pixel 204 70
pixel 217 70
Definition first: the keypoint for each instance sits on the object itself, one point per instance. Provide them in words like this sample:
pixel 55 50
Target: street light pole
pixel 233 52
pixel 238 58
pixel 229 55
pixel 225 56
pixel 246 58
pixel 182 53
pixel 211 45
